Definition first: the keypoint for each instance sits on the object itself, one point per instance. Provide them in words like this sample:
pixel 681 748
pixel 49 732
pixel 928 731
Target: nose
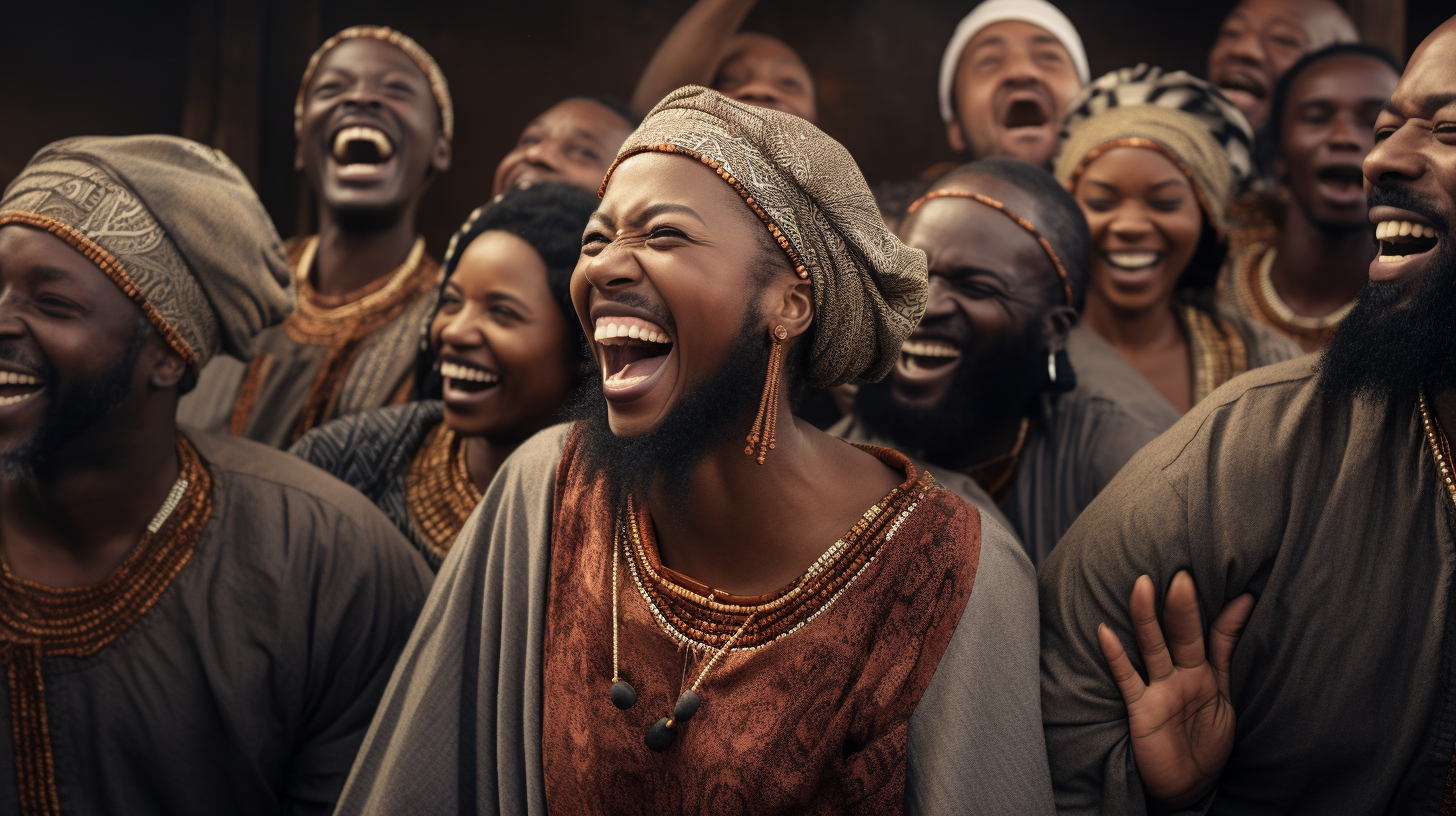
pixel 1347 133
pixel 361 94
pixel 1246 47
pixel 10 323
pixel 940 303
pixel 542 153
pixel 462 329
pixel 1129 224
pixel 1019 68
pixel 613 269
pixel 1397 159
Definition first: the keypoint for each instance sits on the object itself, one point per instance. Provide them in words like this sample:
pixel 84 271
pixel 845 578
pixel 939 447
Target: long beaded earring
pixel 767 421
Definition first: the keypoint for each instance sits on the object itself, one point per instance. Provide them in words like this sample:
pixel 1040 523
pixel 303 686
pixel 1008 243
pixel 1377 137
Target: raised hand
pixel 1182 719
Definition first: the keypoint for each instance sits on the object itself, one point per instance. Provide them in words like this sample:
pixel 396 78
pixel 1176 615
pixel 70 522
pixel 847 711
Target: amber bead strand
pixel 765 423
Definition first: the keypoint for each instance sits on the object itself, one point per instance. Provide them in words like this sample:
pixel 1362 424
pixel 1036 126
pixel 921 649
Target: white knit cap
pixel 1037 12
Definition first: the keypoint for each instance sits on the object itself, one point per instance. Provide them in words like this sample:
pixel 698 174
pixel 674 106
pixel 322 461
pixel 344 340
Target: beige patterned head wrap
pixel 869 289
pixel 439 88
pixel 1180 136
pixel 172 222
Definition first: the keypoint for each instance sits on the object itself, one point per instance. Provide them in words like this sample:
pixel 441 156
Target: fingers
pixel 1183 623
pixel 1126 677
pixel 1147 631
pixel 1224 636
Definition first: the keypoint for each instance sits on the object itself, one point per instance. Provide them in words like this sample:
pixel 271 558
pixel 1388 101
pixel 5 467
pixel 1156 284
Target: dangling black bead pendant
pixel 623 695
pixel 687 706
pixel 661 735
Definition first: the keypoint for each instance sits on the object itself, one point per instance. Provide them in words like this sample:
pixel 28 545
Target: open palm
pixel 1182 719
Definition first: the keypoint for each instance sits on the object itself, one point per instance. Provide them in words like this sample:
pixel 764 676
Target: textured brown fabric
pixel 439 88
pixel 1179 136
pixel 1331 514
pixel 814 722
pixel 174 223
pixel 869 289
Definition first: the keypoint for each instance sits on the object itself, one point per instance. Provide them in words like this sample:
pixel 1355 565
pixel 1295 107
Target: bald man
pixel 1261 39
pixel 703 49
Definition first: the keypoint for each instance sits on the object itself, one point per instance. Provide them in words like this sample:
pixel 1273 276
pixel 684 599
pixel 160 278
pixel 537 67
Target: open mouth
pixel 360 149
pixel 927 355
pixel 16 387
pixel 1132 261
pixel 468 378
pixel 632 349
pixel 1242 90
pixel 1400 240
pixel 1345 182
pixel 1025 113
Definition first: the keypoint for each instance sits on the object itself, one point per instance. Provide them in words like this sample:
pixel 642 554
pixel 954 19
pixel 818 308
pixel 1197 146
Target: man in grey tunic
pixel 1311 501
pixel 188 624
pixel 1000 389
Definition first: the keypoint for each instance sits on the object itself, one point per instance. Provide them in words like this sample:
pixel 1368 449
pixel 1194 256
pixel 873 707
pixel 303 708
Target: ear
pixel 167 369
pixel 793 308
pixel 440 155
pixel 955 137
pixel 1055 325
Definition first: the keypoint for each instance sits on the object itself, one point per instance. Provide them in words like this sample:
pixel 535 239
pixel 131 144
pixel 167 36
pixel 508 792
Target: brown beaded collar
pixel 438 489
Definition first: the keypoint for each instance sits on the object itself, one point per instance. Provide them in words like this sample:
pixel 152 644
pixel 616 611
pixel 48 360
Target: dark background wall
pixel 226 71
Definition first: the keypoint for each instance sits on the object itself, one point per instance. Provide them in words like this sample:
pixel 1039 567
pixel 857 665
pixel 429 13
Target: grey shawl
pixel 1332 516
pixel 459 730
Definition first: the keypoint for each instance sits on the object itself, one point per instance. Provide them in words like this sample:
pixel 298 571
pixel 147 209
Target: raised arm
pixel 690 52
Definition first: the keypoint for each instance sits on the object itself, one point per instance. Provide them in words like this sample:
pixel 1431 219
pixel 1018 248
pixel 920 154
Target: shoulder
pixel 1109 386
pixel 1265 345
pixel 539 457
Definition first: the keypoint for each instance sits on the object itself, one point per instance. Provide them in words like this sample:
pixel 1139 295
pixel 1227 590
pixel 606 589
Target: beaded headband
pixel 1148 144
pixel 1009 213
pixel 112 268
pixel 713 164
pixel 439 88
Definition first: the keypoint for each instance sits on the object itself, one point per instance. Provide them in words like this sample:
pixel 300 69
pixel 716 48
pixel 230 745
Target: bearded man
pixel 1007 76
pixel 188 624
pixel 374 122
pixel 999 388
pixel 801 625
pixel 1313 502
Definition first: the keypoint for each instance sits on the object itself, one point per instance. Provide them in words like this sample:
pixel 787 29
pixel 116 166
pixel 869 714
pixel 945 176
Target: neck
pixel 748 528
pixel 994 437
pixel 348 260
pixel 1318 270
pixel 483 457
pixel 1129 330
pixel 75 522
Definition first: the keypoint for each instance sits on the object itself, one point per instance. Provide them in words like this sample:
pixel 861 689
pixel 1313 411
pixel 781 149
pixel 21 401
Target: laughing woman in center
pixel 690 600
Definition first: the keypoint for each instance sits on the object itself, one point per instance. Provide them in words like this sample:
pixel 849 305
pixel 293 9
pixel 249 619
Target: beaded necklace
pixel 39 622
pixel 701 617
pixel 1440 448
pixel 1254 286
pixel 438 489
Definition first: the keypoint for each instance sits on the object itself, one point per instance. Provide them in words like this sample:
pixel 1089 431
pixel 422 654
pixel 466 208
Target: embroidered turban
pixel 439 88
pixel 869 290
pixel 172 222
pixel 1176 134
pixel 1150 85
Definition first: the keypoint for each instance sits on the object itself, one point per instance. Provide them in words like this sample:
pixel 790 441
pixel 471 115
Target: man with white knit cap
pixel 1008 74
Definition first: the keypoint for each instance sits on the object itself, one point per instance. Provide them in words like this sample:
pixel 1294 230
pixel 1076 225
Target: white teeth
pixel 453 371
pixel 363 134
pixel 1132 260
pixel 1417 230
pixel 13 378
pixel 928 348
pixel 1392 258
pixel 1405 227
pixel 17 398
pixel 617 380
pixel 631 328
pixel 1389 230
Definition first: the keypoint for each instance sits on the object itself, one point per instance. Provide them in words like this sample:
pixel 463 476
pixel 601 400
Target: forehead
pixel 952 227
pixel 1348 76
pixel 1430 76
pixel 761 49
pixel 361 55
pixel 1015 32
pixel 649 179
pixel 1132 166
pixel 38 256
pixel 581 115
pixel 496 257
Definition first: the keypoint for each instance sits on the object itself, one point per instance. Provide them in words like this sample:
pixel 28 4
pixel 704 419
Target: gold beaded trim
pixel 1440 448
pixel 705 621
pixel 1138 141
pixel 716 166
pixel 1009 213
pixel 1259 284
pixel 113 269
pixel 39 622
pixel 438 489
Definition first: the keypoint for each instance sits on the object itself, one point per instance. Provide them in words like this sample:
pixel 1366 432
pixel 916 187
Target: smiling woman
pixel 499 359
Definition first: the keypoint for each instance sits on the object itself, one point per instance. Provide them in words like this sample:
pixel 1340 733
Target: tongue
pixel 633 372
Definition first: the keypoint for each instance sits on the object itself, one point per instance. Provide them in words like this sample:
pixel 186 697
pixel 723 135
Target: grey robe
pixel 459 730
pixel 1331 515
pixel 248 687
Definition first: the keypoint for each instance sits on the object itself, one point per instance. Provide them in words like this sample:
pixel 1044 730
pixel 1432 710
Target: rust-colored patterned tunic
pixel 814 721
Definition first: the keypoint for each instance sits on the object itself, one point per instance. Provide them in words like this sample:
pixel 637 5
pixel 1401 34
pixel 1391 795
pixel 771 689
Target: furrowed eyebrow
pixel 1429 102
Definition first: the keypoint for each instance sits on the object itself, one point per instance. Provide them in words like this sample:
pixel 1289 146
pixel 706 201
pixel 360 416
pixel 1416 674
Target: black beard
pixel 1400 338
pixel 708 415
pixel 71 413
